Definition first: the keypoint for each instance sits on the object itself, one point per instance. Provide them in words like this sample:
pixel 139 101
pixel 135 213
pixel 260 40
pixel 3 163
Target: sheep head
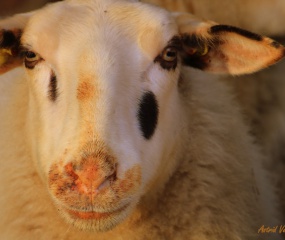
pixel 105 108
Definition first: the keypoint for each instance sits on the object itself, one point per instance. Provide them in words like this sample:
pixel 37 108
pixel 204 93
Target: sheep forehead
pixel 74 23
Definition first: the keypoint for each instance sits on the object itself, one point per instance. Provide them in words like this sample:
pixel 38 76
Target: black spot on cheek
pixel 148 114
pixel 53 88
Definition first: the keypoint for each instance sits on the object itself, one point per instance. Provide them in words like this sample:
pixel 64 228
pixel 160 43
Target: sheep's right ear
pixel 224 49
pixel 11 30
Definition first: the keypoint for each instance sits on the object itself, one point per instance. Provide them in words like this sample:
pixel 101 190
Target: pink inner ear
pixel 242 52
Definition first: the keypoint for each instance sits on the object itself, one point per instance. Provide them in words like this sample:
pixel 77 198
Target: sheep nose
pixel 88 177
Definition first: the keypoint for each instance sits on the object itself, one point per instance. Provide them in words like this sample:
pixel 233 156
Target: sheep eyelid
pixel 31 65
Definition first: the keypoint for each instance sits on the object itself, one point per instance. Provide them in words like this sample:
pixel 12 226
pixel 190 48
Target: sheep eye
pixel 168 58
pixel 170 54
pixel 31 59
pixel 31 56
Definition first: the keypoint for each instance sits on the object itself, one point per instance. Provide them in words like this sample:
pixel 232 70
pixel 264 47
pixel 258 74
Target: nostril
pixel 108 180
pixel 88 177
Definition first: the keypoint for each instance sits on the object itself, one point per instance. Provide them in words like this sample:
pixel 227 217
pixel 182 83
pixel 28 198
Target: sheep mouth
pixel 92 215
pixel 97 221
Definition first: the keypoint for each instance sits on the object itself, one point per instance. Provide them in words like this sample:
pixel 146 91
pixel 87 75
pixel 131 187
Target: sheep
pixel 113 126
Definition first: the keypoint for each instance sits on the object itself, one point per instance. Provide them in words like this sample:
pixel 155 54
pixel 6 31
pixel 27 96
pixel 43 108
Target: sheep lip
pixel 95 215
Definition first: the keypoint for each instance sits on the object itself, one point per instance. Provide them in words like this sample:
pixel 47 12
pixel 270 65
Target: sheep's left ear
pixel 224 49
pixel 11 30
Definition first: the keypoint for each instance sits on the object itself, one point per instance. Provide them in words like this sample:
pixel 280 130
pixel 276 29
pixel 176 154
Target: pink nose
pixel 88 178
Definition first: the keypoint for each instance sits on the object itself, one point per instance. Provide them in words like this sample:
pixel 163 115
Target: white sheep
pixel 107 125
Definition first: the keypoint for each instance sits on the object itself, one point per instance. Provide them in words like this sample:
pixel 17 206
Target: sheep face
pixel 106 104
pixel 99 130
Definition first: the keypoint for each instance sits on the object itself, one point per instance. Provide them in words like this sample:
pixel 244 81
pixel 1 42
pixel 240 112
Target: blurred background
pixel 8 7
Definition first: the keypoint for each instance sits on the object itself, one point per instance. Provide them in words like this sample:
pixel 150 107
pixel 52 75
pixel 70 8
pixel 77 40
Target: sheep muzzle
pixel 89 189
